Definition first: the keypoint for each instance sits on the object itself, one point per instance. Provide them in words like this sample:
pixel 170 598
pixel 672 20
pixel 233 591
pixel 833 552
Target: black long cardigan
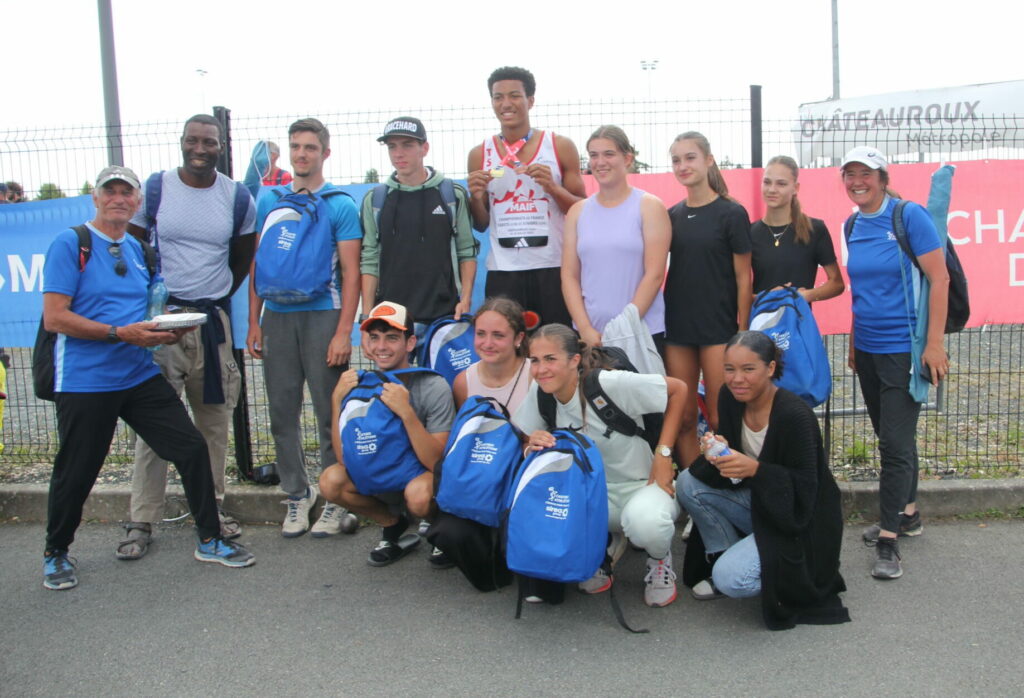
pixel 796 515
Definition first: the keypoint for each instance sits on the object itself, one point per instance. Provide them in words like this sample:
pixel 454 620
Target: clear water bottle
pixel 715 448
pixel 156 301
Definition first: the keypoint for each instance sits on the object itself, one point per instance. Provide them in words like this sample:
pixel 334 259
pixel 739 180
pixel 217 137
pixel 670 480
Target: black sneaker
pixel 909 526
pixel 887 564
pixel 440 561
pixel 59 571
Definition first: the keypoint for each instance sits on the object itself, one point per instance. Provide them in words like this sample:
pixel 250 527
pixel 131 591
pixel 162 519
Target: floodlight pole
pixel 111 105
pixel 835 49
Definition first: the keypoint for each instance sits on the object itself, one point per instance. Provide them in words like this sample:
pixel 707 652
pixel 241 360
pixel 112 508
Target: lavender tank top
pixel 610 246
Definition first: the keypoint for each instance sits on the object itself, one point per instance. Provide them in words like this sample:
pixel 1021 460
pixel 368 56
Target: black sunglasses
pixel 120 268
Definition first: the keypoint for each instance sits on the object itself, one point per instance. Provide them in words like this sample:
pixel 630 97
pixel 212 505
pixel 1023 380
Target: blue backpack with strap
pixel 484 450
pixel 294 257
pixel 447 346
pixel 557 520
pixel 375 446
pixel 154 192
pixel 786 317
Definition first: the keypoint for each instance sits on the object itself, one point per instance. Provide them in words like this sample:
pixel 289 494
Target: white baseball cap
pixel 872 157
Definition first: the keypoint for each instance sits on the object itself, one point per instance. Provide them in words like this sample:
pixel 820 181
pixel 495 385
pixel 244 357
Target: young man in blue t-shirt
pixel 102 372
pixel 307 342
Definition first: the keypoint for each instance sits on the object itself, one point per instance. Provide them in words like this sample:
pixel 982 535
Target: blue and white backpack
pixel 294 261
pixel 557 522
pixel 447 346
pixel 785 316
pixel 483 453
pixel 375 446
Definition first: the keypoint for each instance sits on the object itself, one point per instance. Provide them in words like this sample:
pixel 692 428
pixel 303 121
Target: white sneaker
pixel 601 581
pixel 334 520
pixel 687 529
pixel 296 521
pixel 660 581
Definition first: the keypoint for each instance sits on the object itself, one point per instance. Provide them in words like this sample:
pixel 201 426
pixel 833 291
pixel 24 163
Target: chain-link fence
pixel 976 426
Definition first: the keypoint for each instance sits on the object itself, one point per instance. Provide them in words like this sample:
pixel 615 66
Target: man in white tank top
pixel 521 184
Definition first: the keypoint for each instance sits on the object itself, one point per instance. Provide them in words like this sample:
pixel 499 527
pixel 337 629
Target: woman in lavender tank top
pixel 615 244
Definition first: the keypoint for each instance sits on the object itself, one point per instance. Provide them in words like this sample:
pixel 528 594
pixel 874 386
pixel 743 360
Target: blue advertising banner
pixel 26 231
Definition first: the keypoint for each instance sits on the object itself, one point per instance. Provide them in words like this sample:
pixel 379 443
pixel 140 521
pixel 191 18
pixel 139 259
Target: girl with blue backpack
pixel 502 375
pixel 767 510
pixel 641 493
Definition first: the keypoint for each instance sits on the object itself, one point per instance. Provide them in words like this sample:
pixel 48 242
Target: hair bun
pixel 531 320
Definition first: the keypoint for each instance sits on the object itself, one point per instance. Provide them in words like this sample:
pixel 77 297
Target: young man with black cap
pixel 418 244
pixel 102 372
pixel 522 182
pixel 423 402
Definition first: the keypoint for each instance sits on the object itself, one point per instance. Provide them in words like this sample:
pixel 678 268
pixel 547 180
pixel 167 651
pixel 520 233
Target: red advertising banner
pixel 986 223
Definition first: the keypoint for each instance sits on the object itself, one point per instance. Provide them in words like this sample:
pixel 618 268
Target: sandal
pixel 136 544
pixel 229 526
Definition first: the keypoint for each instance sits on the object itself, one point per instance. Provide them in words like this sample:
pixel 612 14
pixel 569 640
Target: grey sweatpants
pixel 295 352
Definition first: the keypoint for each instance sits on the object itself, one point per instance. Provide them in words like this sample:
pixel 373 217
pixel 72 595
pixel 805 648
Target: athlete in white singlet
pixel 521 183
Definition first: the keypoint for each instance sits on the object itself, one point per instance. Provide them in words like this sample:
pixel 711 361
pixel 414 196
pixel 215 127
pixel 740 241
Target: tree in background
pixel 86 188
pixel 49 190
pixel 372 176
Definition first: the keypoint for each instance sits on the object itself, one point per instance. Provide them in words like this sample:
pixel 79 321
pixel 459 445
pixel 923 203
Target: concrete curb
pixel 255 504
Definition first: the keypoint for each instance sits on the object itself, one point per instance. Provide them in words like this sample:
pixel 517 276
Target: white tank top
pixel 526 223
pixel 510 395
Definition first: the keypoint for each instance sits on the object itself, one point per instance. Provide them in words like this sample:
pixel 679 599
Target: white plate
pixel 176 321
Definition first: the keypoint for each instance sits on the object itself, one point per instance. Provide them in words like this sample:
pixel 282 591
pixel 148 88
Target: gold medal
pixel 498 172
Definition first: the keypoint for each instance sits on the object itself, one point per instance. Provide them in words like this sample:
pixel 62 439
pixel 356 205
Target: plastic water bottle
pixel 715 448
pixel 156 301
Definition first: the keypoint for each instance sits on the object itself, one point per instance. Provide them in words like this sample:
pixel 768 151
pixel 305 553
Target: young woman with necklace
pixel 768 514
pixel 788 246
pixel 502 373
pixel 499 339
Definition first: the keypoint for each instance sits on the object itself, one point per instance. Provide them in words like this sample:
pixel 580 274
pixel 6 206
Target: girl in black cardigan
pixel 777 531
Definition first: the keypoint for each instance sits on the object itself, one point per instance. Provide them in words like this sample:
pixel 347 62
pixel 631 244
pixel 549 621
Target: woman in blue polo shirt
pixel 884 311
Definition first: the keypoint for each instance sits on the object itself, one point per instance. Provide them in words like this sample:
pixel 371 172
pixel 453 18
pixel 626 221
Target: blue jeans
pixel 723 518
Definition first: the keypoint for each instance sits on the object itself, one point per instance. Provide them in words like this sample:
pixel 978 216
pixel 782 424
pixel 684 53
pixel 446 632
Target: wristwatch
pixel 663 450
pixel 112 335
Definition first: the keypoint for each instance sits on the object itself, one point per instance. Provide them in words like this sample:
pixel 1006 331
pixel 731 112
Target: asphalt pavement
pixel 312 617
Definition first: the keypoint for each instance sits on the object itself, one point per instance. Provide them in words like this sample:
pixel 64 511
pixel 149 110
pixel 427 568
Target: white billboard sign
pixel 946 120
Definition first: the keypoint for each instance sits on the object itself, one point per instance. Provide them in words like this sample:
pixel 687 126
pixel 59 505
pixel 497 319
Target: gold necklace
pixel 777 236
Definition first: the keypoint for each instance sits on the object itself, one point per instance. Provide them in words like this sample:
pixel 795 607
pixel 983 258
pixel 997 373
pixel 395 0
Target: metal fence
pixel 68 157
pixel 975 428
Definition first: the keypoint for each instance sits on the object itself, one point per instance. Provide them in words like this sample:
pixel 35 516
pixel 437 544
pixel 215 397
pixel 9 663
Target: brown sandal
pixel 136 544
pixel 230 528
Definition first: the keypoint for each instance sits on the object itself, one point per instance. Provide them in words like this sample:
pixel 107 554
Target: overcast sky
pixel 260 58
